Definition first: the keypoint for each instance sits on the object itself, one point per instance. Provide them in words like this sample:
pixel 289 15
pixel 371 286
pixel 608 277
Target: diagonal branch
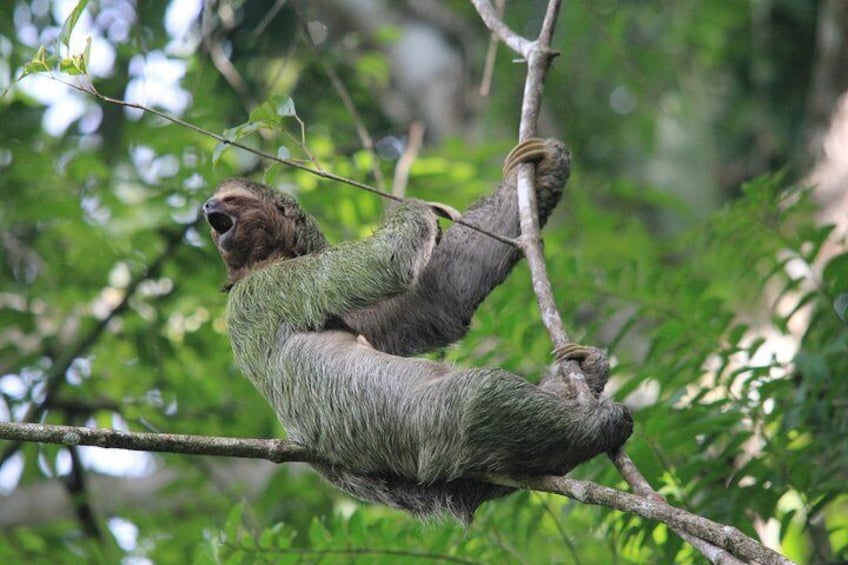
pixel 539 55
pixel 712 535
pixel 404 164
pixel 495 24
pixel 358 123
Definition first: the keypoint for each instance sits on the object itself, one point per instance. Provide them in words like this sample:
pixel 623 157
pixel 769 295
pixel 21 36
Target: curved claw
pixel 571 352
pixel 531 150
pixel 445 211
pixel 593 363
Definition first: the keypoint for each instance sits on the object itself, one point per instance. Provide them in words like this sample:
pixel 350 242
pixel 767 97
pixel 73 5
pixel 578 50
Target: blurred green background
pixel 702 240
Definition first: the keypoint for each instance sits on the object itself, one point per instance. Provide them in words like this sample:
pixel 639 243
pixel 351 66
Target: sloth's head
pixel 252 224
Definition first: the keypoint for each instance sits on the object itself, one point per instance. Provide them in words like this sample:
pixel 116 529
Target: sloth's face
pixel 223 212
pixel 247 228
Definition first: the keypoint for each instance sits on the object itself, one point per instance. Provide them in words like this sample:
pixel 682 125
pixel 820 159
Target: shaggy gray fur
pixel 410 433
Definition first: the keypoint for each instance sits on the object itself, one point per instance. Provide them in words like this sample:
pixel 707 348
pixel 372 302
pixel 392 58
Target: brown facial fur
pixel 264 226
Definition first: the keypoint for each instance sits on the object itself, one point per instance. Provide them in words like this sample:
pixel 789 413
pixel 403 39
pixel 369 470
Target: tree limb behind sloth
pixel 410 433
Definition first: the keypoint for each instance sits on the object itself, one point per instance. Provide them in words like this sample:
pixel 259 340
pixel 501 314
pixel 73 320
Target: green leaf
pixel 74 65
pixel 805 299
pixel 388 34
pixel 86 54
pixel 220 148
pixel 34 67
pixel 836 274
pixel 812 365
pixel 234 523
pixel 30 541
pixel 230 135
pixel 374 67
pixel 265 112
pixel 38 64
pixel 284 107
pixel 247 541
pixel 267 537
pixel 816 238
pixel 71 22
pixel 737 333
pixel 318 533
pixel 272 112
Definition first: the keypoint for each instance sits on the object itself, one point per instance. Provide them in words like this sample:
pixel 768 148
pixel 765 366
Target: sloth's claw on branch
pixel 531 150
pixel 445 211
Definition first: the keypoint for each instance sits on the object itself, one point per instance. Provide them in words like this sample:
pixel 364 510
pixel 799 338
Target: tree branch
pixel 55 377
pixel 495 24
pixel 720 535
pixel 275 450
pixel 358 123
pixel 539 55
pixel 279 451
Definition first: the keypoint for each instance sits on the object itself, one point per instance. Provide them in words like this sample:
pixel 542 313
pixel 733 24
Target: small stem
pixel 413 146
pixel 495 24
pixel 358 123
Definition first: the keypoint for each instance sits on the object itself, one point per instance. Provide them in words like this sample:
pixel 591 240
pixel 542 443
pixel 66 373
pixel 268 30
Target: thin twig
pixel 415 138
pixel 358 123
pixel 265 155
pixel 269 17
pixel 76 485
pixel 222 63
pixel 495 24
pixel 491 54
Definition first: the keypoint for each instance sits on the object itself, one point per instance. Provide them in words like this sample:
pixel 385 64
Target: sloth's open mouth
pixel 220 222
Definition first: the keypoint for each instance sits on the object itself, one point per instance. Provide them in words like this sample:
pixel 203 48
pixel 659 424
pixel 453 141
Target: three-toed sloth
pixel 411 433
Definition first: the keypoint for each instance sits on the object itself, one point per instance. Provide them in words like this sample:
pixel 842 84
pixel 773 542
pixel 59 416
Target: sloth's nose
pixel 216 217
pixel 210 206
